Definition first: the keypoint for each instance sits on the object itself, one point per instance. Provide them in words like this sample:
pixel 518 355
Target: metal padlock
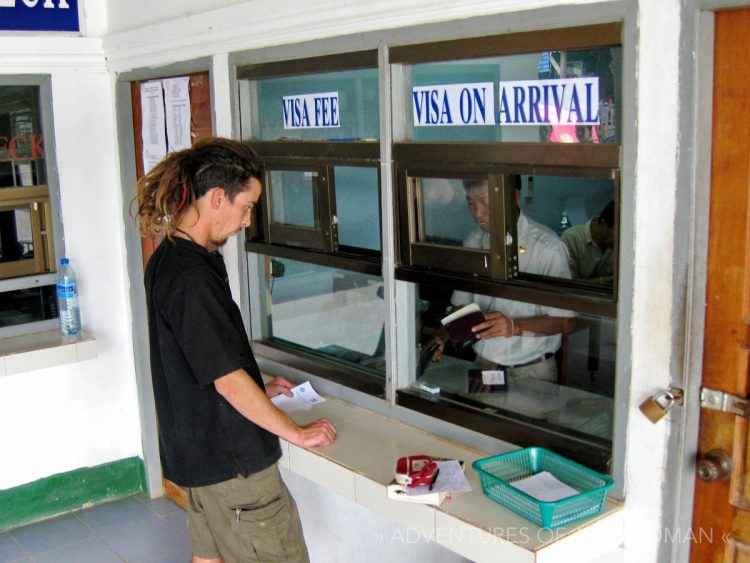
pixel 655 408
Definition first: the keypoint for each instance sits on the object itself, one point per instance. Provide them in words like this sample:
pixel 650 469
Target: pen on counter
pixel 437 472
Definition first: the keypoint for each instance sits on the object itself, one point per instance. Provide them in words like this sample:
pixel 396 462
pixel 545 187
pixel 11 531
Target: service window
pixel 316 124
pixel 27 248
pixel 507 173
pixel 459 219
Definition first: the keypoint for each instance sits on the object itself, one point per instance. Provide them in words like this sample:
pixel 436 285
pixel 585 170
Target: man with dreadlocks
pixel 217 426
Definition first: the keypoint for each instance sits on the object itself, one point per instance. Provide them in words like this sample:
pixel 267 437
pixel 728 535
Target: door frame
pixel 132 240
pixel 694 170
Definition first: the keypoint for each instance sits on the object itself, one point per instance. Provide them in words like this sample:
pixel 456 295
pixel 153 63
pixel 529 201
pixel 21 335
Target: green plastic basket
pixel 498 472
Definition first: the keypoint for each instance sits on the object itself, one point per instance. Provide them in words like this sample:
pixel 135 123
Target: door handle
pixel 714 465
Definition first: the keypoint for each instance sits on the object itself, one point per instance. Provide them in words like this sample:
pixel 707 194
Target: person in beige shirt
pixel 590 247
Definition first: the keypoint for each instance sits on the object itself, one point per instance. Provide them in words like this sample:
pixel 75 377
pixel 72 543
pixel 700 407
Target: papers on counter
pixel 545 487
pixel 450 479
pixel 304 398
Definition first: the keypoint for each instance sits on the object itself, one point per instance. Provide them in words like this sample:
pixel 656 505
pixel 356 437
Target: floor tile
pixel 9 549
pixel 180 555
pixel 162 506
pixel 91 550
pixel 115 514
pixel 178 520
pixel 49 534
pixel 143 542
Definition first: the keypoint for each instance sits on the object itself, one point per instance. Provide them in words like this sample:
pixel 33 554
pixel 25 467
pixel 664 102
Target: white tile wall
pixel 43 350
pixel 373 496
pixel 322 471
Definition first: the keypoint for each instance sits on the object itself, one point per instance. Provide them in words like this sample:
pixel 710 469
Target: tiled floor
pixel 136 529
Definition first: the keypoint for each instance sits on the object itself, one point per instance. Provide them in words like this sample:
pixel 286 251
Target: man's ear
pixel 216 195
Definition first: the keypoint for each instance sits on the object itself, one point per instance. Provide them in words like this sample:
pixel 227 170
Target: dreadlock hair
pixel 183 177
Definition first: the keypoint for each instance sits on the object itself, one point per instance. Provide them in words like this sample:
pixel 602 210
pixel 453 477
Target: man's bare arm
pixel 241 391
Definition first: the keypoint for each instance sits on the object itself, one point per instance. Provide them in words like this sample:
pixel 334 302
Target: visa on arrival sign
pixel 39 15
pixel 454 104
pixel 564 101
pixel 312 111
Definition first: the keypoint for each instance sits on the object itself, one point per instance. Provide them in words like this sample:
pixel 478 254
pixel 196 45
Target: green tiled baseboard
pixel 64 492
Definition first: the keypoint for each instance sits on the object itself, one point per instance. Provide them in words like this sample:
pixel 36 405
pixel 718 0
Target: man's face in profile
pixel 605 236
pixel 478 202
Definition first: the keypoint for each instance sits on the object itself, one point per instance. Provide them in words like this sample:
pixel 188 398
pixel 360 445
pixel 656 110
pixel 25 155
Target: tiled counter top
pixel 43 350
pixel 360 464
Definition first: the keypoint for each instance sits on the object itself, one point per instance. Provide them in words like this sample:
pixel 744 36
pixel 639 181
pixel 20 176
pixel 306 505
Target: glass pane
pixel 566 226
pixel 21 140
pixel 581 211
pixel 293 198
pixel 337 313
pixel 558 373
pixel 16 241
pixel 446 211
pixel 357 206
pixel 334 106
pixel 28 305
pixel 554 96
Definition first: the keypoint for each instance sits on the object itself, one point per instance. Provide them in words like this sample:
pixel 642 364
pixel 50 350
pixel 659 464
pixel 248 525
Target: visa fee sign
pixel 39 15
pixel 311 111
pixel 454 104
pixel 565 101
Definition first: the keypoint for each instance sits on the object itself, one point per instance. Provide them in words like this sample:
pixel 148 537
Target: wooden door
pixel 200 127
pixel 721 516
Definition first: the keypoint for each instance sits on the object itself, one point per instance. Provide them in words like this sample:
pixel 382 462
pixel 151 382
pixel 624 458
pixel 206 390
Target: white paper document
pixel 152 124
pixel 304 398
pixel 450 479
pixel 177 112
pixel 545 487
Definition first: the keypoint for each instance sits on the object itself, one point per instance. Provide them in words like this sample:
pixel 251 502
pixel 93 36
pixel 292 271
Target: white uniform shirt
pixel 540 251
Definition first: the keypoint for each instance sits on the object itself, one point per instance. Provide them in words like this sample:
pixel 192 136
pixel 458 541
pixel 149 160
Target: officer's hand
pixel 495 324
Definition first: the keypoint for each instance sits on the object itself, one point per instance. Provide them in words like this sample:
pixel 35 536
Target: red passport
pixel 459 322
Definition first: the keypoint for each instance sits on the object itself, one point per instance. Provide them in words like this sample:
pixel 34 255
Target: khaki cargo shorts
pixel 250 518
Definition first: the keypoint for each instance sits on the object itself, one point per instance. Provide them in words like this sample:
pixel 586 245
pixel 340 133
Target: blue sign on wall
pixel 39 15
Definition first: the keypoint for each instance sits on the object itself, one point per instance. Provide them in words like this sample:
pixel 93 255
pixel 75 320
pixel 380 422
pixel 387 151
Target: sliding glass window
pixel 507 172
pixel 316 124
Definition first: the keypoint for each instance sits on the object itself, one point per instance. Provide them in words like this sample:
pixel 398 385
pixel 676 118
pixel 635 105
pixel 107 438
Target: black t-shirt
pixel 196 336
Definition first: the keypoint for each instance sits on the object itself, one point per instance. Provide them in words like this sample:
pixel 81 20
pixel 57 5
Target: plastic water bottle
pixel 564 223
pixel 67 299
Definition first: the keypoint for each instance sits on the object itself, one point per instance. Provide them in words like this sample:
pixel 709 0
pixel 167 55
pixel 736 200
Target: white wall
pixel 84 414
pixel 122 16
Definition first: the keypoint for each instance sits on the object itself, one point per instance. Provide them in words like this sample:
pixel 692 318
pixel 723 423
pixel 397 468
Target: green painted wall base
pixel 70 491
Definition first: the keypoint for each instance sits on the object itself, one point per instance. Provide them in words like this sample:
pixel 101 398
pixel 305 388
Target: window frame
pixel 35 199
pixel 495 161
pixel 321 156
pixel 49 217
pixel 517 158
pixel 294 242
pixel 489 159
